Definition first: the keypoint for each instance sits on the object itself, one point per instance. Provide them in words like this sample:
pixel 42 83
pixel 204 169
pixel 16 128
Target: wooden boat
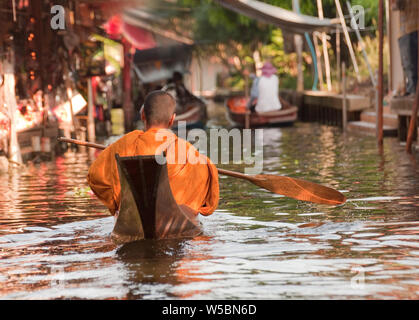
pixel 148 209
pixel 194 116
pixel 237 109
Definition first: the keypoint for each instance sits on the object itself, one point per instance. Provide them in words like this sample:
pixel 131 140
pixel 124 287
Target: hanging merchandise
pixel 92 59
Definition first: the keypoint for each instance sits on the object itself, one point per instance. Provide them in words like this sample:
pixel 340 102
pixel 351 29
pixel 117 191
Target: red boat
pixel 237 111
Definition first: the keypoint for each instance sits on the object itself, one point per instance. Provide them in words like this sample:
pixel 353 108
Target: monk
pixel 193 183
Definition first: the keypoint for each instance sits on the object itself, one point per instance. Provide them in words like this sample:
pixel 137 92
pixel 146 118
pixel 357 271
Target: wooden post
pixel 127 107
pixel 319 60
pixel 344 105
pixel 298 42
pixel 338 55
pixel 324 44
pixel 247 120
pixel 90 117
pixel 14 10
pixel 388 24
pixel 347 38
pixel 380 118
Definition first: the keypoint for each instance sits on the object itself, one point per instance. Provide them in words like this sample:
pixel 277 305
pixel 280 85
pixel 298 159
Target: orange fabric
pixel 195 185
pixel 238 105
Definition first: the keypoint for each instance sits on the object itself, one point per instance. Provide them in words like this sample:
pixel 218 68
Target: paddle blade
pixel 299 189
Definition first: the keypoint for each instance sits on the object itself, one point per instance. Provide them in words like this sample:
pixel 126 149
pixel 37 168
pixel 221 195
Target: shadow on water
pixel 152 260
pixel 157 263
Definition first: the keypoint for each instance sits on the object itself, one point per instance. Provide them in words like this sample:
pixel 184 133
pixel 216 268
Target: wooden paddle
pixel 289 187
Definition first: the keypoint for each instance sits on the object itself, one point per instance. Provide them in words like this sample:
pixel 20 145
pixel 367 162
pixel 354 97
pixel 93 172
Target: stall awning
pixel 282 18
pixel 139 38
pixel 147 21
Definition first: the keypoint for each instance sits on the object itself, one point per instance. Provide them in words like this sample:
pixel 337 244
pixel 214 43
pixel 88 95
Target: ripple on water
pixel 54 234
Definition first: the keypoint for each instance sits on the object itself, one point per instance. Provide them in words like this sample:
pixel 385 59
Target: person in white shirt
pixel 254 91
pixel 268 90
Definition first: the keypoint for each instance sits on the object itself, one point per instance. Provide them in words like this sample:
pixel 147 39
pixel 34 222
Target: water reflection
pixel 54 234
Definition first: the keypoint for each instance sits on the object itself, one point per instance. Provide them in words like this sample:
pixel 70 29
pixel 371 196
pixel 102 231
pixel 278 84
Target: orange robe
pixel 193 183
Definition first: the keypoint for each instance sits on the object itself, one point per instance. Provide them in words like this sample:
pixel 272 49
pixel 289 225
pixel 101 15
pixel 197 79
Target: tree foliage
pixel 234 37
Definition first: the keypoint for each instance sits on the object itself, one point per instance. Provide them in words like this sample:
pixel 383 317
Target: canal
pixel 54 233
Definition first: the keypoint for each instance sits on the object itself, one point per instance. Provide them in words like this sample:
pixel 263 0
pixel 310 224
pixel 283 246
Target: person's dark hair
pixel 159 107
pixel 177 76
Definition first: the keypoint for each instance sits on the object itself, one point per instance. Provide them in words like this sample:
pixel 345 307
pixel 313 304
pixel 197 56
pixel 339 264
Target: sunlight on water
pixel 54 234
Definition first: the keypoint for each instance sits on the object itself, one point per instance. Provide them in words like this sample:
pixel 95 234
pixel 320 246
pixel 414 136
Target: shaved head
pixel 159 107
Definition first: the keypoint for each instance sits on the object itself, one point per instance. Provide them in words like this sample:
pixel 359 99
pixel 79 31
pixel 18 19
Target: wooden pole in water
pixel 388 31
pixel 298 42
pixel 344 105
pixel 127 86
pixel 347 38
pixel 324 44
pixel 338 55
pixel 90 118
pixel 319 60
pixel 380 119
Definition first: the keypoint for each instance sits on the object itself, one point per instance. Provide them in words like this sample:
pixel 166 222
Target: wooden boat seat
pixel 148 209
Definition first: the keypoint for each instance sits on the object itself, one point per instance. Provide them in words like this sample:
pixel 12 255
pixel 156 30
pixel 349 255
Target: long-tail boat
pixel 237 110
pixel 148 209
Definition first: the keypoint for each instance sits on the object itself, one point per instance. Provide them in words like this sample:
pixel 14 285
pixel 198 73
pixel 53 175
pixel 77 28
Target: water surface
pixel 54 234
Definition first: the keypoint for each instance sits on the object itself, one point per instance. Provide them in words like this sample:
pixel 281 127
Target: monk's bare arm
pixel 99 179
pixel 103 175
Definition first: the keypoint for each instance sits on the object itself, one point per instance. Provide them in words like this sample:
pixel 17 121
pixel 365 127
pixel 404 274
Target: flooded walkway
pixel 54 234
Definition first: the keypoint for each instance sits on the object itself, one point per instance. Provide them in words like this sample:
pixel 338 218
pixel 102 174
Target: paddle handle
pixel 234 174
pixel 82 143
pixel 266 182
pixel 101 146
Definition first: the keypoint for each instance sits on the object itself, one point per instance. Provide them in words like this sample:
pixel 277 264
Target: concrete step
pixel 389 118
pixel 370 128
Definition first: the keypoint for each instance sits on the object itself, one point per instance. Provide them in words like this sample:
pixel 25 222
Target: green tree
pixel 234 37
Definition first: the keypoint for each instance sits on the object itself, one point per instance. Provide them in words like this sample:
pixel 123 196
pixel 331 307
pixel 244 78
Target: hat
pixel 268 69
